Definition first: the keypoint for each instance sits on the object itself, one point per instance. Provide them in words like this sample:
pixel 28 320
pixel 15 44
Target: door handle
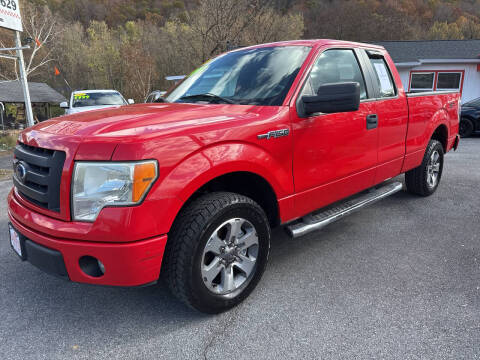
pixel 372 121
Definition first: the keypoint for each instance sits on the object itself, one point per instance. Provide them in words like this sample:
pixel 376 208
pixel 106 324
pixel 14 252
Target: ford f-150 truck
pixel 297 133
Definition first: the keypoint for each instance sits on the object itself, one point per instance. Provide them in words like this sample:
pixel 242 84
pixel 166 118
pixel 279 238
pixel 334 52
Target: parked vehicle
pixel 470 118
pixel 87 100
pixel 155 96
pixel 278 133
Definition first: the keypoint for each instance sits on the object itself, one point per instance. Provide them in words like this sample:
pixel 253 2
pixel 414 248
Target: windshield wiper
pixel 207 96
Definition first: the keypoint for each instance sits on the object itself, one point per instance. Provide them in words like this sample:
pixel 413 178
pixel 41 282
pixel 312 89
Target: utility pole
pixel 2 110
pixel 23 79
pixel 11 19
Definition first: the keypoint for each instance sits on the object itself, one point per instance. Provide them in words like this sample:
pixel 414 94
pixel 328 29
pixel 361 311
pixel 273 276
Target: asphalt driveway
pixel 399 280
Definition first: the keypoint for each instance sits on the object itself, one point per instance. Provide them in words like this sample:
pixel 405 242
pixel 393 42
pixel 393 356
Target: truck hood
pixel 145 120
pixel 89 108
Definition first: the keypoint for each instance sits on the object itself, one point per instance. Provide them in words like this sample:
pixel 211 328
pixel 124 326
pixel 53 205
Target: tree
pixel 272 26
pixel 462 28
pixel 138 62
pixel 444 31
pixel 132 45
pixel 72 55
pixel 215 22
pixel 470 27
pixel 104 57
pixel 40 25
pixel 360 20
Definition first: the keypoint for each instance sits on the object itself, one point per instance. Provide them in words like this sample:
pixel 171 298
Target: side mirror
pixel 333 98
pixel 64 105
pixel 131 101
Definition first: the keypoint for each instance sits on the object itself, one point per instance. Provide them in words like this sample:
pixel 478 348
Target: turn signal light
pixel 144 175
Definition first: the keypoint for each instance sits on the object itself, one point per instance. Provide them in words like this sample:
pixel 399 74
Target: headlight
pixel 100 184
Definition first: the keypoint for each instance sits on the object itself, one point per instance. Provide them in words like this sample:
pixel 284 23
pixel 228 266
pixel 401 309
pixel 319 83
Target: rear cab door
pixel 391 108
pixel 334 155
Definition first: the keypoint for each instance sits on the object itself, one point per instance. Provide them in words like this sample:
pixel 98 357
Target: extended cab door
pixel 392 110
pixel 334 154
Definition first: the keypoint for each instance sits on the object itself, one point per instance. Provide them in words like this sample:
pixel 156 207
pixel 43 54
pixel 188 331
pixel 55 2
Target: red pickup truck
pixel 297 133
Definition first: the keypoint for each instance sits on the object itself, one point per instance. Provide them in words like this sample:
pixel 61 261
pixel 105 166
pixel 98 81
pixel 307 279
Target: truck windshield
pixel 260 76
pixel 97 99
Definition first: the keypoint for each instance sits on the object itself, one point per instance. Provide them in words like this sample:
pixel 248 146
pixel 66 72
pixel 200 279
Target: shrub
pixel 7 141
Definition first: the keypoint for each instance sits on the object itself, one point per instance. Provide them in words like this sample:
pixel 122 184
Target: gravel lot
pixel 398 280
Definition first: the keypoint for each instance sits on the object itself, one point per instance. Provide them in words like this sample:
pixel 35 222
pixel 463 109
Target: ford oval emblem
pixel 20 169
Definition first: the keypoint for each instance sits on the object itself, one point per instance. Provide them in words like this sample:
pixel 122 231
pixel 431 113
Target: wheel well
pixel 441 134
pixel 247 184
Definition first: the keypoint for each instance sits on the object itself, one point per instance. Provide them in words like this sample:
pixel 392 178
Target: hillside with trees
pixel 131 45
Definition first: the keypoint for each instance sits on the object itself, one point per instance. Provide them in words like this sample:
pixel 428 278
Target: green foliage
pixel 131 45
pixel 11 109
pixel 462 28
pixel 56 111
pixel 445 31
pixel 7 141
pixel 135 56
pixel 376 20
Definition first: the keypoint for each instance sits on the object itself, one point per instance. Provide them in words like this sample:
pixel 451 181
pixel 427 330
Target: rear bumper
pixel 126 264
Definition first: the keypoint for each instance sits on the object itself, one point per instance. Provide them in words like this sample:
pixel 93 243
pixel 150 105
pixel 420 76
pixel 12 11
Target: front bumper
pixel 126 264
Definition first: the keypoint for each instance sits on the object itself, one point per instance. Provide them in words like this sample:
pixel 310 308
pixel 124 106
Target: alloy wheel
pixel 433 169
pixel 229 257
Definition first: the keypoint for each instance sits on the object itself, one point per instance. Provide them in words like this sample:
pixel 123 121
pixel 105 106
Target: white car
pixel 86 100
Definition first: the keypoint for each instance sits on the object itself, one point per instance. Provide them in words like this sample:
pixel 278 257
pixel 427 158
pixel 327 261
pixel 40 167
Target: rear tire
pixel 466 127
pixel 217 251
pixel 424 179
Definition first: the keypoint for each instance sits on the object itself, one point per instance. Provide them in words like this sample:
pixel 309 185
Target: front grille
pixel 37 175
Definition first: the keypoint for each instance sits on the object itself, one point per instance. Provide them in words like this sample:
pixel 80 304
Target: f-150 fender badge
pixel 274 134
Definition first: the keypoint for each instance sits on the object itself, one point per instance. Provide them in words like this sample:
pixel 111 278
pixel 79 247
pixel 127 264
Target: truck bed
pixel 427 110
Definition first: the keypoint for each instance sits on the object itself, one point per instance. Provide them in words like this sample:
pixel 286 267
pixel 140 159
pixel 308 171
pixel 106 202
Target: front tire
pixel 217 251
pixel 424 179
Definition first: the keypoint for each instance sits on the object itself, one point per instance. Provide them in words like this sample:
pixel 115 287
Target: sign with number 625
pixel 10 15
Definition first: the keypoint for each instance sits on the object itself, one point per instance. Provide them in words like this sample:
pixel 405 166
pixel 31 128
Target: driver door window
pixel 335 66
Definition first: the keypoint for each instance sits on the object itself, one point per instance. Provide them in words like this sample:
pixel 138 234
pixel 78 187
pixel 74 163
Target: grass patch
pixel 5 174
pixel 7 141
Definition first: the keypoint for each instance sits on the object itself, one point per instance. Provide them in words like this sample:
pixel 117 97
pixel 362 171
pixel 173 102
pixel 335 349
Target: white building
pixel 431 65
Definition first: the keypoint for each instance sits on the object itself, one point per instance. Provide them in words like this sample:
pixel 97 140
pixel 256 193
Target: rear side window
pixel 335 66
pixel 383 77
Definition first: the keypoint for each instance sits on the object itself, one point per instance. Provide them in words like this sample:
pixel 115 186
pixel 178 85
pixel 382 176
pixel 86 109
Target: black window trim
pixel 367 54
pixel 369 88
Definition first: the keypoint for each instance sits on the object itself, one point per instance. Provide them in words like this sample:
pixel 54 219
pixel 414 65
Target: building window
pixel 422 81
pixel 436 80
pixel 449 80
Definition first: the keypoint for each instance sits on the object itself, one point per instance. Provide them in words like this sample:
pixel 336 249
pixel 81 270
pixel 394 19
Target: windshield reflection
pixel 259 76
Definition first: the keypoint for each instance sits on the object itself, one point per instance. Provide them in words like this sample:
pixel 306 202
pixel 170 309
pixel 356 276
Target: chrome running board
pixel 321 218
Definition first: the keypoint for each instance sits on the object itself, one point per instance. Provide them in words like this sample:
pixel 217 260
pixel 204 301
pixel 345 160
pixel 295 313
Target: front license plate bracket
pixel 17 242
